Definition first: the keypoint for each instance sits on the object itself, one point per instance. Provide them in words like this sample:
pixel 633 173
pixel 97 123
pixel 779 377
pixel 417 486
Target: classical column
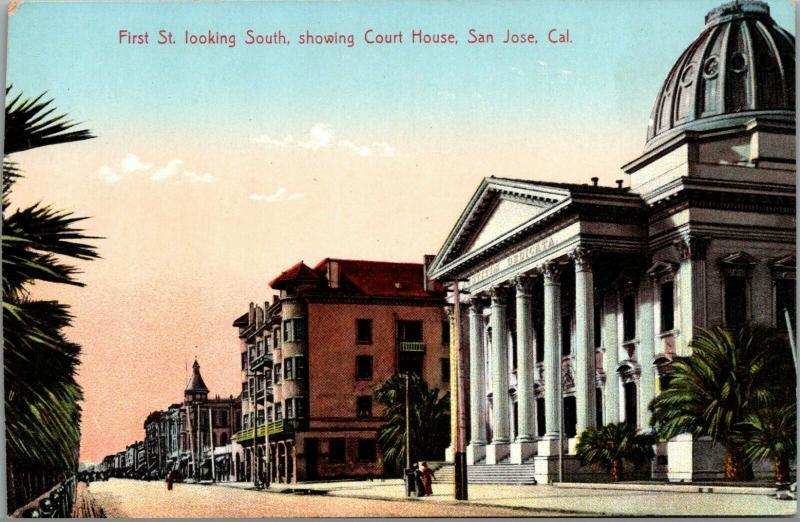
pixel 551 273
pixel 692 289
pixel 501 427
pixel 525 398
pixel 646 351
pixel 611 358
pixel 584 340
pixel 501 432
pixel 477 389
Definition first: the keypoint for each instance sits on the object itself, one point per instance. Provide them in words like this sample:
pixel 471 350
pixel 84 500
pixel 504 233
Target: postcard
pixel 411 259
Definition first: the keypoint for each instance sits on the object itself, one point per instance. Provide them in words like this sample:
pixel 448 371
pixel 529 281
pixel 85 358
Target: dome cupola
pixel 741 66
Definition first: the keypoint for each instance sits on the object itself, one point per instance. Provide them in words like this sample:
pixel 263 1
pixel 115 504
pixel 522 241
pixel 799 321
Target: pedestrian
pixel 427 475
pixel 170 479
pixel 418 486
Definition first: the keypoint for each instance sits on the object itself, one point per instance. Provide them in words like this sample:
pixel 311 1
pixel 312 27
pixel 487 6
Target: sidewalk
pixel 583 499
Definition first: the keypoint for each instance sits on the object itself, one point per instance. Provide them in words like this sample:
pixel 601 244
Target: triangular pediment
pixel 742 259
pixel 785 263
pixel 498 208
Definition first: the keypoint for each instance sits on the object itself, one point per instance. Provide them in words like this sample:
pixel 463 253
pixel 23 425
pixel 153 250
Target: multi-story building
pixel 581 295
pixel 318 351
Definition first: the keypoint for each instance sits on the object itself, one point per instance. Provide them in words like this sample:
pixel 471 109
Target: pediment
pixel 785 263
pixel 739 259
pixel 498 208
pixel 662 268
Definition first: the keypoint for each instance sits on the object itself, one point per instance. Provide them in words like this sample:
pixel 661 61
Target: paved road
pixel 134 499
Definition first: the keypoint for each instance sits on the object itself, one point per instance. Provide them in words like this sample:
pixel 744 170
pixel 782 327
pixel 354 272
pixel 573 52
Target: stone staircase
pixel 490 474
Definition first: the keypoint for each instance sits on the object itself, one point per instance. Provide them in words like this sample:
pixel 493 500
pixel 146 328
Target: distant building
pixel 319 350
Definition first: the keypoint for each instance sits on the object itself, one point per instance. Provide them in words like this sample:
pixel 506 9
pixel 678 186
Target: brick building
pixel 320 348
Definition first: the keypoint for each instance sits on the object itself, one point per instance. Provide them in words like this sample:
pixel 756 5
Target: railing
pixel 56 503
pixel 260 394
pixel 275 427
pixel 262 360
pixel 407 346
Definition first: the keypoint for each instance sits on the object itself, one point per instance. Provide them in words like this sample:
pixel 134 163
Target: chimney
pixel 251 314
pixel 427 284
pixel 620 182
pixel 594 181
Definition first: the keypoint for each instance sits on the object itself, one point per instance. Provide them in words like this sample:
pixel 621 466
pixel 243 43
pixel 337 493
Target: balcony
pixel 411 347
pixel 281 427
pixel 262 361
pixel 260 395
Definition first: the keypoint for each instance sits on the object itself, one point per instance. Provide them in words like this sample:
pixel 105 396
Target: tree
pixel 728 377
pixel 429 420
pixel 41 395
pixel 770 433
pixel 611 445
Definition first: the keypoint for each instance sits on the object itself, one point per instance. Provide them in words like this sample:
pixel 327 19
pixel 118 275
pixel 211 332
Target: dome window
pixel 688 75
pixel 711 67
pixel 738 63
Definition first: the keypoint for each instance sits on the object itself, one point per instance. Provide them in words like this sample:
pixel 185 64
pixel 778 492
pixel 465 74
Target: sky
pixel 216 167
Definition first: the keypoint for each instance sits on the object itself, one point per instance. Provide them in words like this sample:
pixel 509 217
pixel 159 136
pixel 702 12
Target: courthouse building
pixel 580 295
pixel 312 357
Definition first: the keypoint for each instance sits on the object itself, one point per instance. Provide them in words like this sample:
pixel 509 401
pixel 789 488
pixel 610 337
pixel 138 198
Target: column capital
pixel 449 309
pixel 583 258
pixel 523 283
pixel 498 295
pixel 692 247
pixel 551 271
pixel 476 304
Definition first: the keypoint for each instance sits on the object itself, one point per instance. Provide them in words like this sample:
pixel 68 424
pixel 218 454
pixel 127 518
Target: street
pixel 122 498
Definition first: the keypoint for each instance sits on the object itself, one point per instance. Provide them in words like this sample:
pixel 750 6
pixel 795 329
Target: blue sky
pixel 621 52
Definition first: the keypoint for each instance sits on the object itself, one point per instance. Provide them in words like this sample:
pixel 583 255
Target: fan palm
pixel 429 420
pixel 728 377
pixel 611 445
pixel 41 395
pixel 771 433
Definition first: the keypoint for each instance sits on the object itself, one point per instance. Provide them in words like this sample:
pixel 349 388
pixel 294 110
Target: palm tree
pixel 429 420
pixel 611 445
pixel 728 377
pixel 771 433
pixel 41 395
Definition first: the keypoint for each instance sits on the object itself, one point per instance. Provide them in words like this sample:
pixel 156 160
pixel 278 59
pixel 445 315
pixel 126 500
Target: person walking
pixel 418 486
pixel 427 475
pixel 170 480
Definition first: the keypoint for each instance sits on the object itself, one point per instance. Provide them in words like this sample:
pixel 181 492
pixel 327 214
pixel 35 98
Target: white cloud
pixel 169 170
pixel 132 163
pixel 282 194
pixel 321 136
pixel 108 174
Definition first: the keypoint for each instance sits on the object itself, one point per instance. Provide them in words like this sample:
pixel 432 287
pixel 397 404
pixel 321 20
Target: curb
pixel 671 488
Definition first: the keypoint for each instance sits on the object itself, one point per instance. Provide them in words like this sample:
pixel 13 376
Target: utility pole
pixel 460 475
pixel 211 443
pixel 254 420
pixel 199 446
pixel 191 435
pixel 408 426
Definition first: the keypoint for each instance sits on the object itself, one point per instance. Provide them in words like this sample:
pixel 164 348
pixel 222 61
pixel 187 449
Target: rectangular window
pixel 364 367
pixel 539 333
pixel 566 335
pixel 276 378
pixel 300 408
pixel 667 301
pixel 785 292
pixel 276 334
pixel 278 411
pixel 244 360
pixel 570 416
pixel 598 323
pixel 363 331
pixel 336 450
pixel 289 405
pixel 598 406
pixel 735 302
pixel 294 330
pixel 409 331
pixel 540 422
pixel 364 406
pixel 366 450
pixel 288 369
pixel 299 368
pixel 629 317
pixel 269 413
pixel 445 333
pixel 513 347
pixel 245 391
pixel 445 369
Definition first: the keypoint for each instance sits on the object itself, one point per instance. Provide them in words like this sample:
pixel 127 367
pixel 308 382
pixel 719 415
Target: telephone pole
pixel 460 475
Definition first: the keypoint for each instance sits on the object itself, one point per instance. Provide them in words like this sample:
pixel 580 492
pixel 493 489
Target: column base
pixel 475 453
pixel 522 451
pixel 572 445
pixel 690 459
pixel 547 446
pixel 496 452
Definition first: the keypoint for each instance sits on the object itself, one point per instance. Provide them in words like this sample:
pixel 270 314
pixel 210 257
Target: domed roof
pixel 741 65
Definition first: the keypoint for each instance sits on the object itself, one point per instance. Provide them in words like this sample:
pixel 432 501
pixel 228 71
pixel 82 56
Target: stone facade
pixel 580 295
